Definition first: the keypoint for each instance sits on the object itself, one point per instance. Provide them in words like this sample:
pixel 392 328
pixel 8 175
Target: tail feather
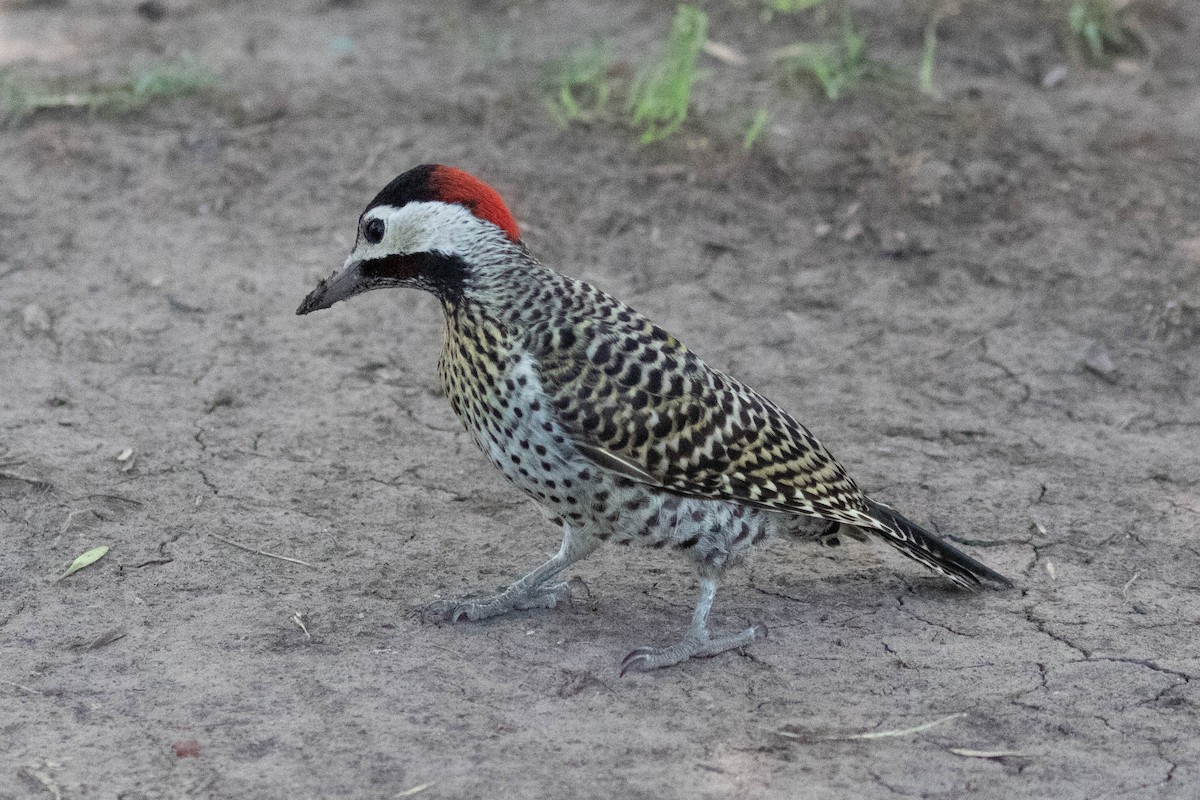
pixel 920 545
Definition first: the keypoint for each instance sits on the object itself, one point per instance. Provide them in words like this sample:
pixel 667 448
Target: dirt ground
pixel 986 305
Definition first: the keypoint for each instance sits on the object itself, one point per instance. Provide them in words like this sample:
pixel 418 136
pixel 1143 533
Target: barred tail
pixel 920 545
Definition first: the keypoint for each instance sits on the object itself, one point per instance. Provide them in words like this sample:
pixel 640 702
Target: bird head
pixel 435 228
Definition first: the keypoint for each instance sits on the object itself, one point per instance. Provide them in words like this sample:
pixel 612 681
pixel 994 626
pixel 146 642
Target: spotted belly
pixel 516 429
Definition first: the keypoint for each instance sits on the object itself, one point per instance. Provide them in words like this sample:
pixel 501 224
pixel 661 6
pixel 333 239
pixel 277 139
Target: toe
pixel 635 658
pixel 580 582
pixel 437 611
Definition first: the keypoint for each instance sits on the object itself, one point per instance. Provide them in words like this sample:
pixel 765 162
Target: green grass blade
pixel 579 85
pixel 755 130
pixel 660 95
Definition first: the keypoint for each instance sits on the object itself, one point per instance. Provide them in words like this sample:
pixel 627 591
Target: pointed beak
pixel 345 282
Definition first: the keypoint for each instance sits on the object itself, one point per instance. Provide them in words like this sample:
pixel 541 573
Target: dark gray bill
pixel 345 282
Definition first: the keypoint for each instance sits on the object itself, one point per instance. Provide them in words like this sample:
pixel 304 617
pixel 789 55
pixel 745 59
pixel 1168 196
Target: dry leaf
pixel 724 53
pixel 87 559
pixel 968 753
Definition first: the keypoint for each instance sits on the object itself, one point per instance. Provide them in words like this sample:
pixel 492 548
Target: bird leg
pixel 530 591
pixel 696 642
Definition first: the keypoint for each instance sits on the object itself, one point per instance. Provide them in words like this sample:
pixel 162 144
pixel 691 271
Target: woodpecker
pixel 603 417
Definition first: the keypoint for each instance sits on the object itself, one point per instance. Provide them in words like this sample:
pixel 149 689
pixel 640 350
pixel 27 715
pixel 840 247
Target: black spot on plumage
pixel 663 427
pixel 613 365
pixel 654 381
pixel 688 543
pixel 638 503
pixel 684 448
pixel 603 353
pixel 640 436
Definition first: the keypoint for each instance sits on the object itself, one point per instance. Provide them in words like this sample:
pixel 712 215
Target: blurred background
pixel 958 239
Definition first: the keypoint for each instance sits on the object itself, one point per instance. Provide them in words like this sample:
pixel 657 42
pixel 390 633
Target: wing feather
pixel 635 401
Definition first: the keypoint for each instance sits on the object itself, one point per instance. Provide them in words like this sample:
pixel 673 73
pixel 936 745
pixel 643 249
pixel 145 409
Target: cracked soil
pixel 985 305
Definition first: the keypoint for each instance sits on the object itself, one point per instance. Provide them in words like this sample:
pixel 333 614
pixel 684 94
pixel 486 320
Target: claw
pixel 436 612
pixel 581 582
pixel 692 646
pixel 470 609
pixel 632 659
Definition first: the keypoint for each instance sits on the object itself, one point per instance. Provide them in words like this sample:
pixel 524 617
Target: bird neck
pixel 469 318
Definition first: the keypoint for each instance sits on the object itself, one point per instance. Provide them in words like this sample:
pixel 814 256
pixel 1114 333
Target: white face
pixel 385 232
pixel 420 227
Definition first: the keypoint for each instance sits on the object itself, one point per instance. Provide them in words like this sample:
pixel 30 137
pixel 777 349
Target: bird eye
pixel 373 230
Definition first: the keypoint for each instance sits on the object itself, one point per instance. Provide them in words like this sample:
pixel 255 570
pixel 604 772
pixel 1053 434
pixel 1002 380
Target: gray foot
pixel 692 646
pixel 477 608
